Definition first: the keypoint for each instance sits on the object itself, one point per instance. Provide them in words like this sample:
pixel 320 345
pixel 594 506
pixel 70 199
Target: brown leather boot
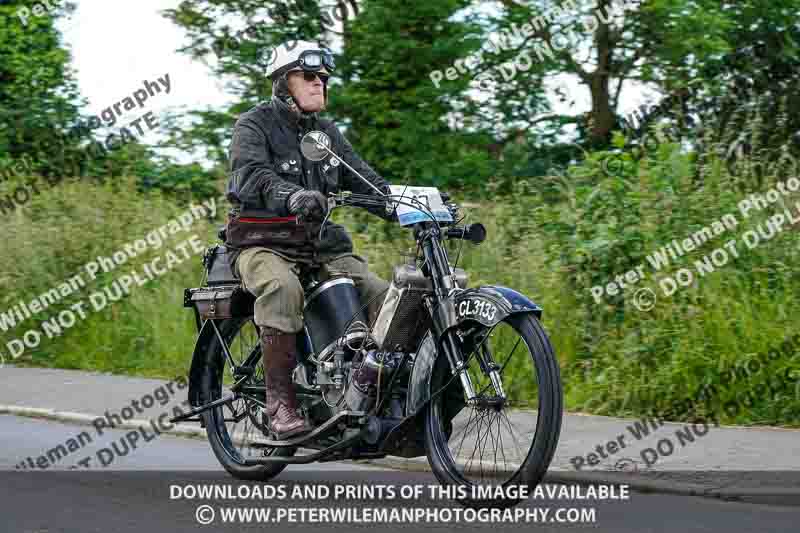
pixel 280 358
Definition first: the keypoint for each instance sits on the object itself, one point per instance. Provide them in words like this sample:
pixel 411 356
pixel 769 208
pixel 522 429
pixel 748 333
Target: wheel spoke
pixel 500 438
pixel 520 431
pixel 243 437
pixel 494 443
pixel 509 356
pixel 235 419
pixel 488 436
pixel 480 444
pixel 511 432
pixel 480 422
pixel 465 433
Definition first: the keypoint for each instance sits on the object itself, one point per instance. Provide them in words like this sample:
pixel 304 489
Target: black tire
pixel 441 416
pixel 241 335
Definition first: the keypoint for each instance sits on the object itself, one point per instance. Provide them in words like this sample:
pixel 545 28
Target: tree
pixel 605 44
pixel 396 116
pixel 38 94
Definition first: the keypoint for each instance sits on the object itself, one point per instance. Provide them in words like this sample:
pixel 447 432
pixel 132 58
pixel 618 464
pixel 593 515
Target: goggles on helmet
pixel 314 60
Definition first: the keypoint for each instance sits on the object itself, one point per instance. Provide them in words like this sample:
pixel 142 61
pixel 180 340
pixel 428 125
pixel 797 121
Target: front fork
pixel 443 314
pixel 454 355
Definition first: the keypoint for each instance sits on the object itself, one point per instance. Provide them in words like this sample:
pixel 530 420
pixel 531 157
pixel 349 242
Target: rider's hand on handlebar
pixel 308 204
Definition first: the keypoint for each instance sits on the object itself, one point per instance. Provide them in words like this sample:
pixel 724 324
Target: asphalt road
pixel 138 492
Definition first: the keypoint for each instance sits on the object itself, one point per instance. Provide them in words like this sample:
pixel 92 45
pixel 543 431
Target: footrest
pixel 349 418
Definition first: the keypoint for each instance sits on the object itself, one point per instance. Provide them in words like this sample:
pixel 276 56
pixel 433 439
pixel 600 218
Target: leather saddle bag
pixel 223 301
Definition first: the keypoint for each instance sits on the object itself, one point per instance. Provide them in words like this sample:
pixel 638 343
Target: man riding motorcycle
pixel 270 179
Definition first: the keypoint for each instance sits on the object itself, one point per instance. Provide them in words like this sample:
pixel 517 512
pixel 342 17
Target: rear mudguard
pixel 487 305
pixel 204 360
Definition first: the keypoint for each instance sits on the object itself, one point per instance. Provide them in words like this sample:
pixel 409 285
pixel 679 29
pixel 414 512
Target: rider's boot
pixel 280 358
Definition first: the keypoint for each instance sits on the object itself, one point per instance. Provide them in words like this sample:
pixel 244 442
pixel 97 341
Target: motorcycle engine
pixel 356 384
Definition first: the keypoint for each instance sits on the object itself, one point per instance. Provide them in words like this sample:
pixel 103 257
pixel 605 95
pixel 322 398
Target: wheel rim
pixel 238 424
pixel 490 441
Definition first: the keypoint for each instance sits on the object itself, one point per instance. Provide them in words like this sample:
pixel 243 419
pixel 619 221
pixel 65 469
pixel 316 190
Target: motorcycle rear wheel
pixel 533 400
pixel 235 441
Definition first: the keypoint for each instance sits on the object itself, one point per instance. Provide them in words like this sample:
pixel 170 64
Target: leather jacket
pixel 267 166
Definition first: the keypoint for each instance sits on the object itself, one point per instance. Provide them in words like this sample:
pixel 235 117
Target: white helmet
pixel 298 54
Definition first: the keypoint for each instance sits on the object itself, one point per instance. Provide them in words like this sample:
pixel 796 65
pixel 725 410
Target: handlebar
pixel 475 233
pixel 346 198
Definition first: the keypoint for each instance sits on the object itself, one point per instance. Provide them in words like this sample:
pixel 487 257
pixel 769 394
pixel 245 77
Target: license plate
pixel 477 309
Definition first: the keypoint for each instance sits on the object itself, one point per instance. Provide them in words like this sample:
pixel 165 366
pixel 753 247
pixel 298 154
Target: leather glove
pixel 308 204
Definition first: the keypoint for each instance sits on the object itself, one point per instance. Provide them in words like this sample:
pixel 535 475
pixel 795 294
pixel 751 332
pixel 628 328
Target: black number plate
pixel 476 308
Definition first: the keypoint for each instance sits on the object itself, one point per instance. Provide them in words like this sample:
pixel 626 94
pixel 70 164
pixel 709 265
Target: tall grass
pixel 50 240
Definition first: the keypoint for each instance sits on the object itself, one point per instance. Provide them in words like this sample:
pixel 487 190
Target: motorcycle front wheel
pixel 505 437
pixel 235 429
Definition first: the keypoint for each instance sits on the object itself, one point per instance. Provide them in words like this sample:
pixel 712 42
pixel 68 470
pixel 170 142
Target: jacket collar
pixel 296 121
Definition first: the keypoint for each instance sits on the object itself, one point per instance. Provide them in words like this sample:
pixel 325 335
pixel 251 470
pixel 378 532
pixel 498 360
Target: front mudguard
pixel 487 305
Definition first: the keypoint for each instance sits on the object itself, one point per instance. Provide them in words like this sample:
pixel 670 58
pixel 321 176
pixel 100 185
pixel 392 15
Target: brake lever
pixel 337 199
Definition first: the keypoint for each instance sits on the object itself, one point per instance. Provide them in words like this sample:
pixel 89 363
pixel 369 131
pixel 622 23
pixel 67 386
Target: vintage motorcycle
pixel 436 374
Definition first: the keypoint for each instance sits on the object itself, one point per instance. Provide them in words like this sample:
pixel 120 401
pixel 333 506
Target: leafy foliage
pixel 38 92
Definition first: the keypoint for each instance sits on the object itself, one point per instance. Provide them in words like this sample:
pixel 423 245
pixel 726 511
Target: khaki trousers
pixel 273 280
